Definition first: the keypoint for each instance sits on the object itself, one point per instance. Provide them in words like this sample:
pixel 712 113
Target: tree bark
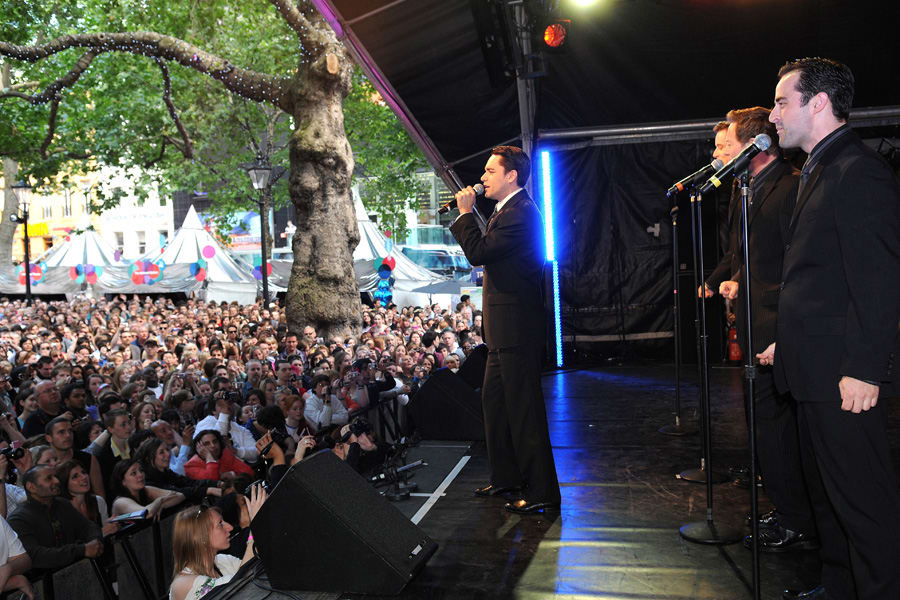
pixel 323 291
pixel 10 175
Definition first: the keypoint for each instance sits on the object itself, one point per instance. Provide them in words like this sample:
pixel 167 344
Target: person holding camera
pixel 200 533
pixel 322 407
pixel 220 417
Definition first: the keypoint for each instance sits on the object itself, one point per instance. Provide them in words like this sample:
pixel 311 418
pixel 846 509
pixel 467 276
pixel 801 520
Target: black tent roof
pixel 449 68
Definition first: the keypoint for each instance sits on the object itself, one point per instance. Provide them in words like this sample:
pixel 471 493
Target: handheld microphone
pixel 479 190
pixel 712 167
pixel 738 163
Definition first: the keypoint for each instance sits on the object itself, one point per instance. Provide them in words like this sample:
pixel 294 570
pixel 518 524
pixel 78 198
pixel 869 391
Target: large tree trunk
pixel 323 291
pixel 10 175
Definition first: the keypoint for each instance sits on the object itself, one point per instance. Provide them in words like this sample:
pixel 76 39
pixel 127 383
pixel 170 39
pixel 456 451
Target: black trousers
pixel 515 423
pixel 853 488
pixel 778 453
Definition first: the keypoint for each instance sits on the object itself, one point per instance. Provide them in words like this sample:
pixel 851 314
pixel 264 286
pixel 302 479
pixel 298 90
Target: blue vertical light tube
pixel 551 251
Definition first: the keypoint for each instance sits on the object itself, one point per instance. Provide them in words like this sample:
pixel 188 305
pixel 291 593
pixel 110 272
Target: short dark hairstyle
pixel 720 126
pixel 48 428
pixel 513 158
pixel 824 75
pixel 31 475
pixel 750 122
pixel 109 419
pixel 271 417
pixel 319 379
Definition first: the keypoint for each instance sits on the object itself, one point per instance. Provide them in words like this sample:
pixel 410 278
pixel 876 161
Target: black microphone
pixel 479 191
pixel 694 177
pixel 738 163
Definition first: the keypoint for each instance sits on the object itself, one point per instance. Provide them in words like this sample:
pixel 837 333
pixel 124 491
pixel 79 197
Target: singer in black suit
pixel 837 322
pixel 773 191
pixel 512 253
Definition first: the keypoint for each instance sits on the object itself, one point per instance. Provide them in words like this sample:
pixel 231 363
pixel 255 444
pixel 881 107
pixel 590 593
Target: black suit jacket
pixel 769 220
pixel 512 253
pixel 840 300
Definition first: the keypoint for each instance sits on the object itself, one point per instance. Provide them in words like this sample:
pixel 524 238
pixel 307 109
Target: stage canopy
pixel 626 108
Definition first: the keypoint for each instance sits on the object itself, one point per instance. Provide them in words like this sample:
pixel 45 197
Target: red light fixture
pixel 555 33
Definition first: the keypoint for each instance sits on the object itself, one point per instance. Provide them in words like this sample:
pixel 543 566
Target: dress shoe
pixel 524 507
pixel 779 539
pixel 816 593
pixel 769 519
pixel 495 490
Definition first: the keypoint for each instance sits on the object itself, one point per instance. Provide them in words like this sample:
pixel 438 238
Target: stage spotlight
pixel 556 32
pixel 584 2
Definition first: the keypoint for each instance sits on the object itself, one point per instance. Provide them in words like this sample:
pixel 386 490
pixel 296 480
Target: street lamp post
pixel 23 195
pixel 259 177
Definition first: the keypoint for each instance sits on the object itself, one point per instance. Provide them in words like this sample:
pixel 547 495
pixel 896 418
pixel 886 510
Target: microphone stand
pixel 750 374
pixel 704 532
pixel 704 472
pixel 677 429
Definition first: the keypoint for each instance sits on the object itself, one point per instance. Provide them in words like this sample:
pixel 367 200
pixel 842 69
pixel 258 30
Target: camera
pixel 12 454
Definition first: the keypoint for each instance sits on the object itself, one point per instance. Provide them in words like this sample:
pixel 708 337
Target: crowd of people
pixel 114 410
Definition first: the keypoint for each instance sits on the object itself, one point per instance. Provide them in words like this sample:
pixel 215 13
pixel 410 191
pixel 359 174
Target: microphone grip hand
pixel 465 200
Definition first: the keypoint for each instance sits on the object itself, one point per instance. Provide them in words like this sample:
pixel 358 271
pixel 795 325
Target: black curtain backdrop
pixel 615 275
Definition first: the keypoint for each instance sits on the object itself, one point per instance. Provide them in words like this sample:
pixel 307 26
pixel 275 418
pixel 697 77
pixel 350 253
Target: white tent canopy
pixel 193 245
pixel 83 248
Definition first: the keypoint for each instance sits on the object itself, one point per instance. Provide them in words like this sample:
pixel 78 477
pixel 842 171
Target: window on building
pixel 47 210
pixel 67 204
pixel 142 241
pixel 120 240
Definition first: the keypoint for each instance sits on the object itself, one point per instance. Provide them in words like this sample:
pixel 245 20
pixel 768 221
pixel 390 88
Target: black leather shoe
pixel 816 593
pixel 769 519
pixel 779 539
pixel 493 490
pixel 524 507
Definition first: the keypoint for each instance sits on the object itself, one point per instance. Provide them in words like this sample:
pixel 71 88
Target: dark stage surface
pixel 617 534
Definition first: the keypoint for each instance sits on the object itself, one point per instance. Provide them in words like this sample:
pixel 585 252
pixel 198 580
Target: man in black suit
pixel 512 253
pixel 837 321
pixel 773 190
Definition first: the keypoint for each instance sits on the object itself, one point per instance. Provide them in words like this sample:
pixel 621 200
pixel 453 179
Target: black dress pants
pixel 778 453
pixel 853 488
pixel 515 422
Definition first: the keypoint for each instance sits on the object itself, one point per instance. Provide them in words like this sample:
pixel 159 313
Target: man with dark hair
pixel 291 343
pixel 837 327
pixel 74 396
pixel 43 369
pixel 49 406
pixel 53 532
pixel 512 254
pixel 773 190
pixel 60 437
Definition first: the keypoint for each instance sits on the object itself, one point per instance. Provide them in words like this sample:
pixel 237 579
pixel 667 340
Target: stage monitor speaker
pixel 324 528
pixel 446 408
pixel 472 369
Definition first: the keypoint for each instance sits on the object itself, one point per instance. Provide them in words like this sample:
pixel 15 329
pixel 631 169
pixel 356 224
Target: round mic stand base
pixel 678 429
pixel 699 476
pixel 710 533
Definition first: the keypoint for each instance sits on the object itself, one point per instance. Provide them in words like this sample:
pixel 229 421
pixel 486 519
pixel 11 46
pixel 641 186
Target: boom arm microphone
pixel 479 191
pixel 738 163
pixel 695 177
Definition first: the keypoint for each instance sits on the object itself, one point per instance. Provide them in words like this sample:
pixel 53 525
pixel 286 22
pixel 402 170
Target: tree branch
pixel 52 90
pixel 51 127
pixel 187 150
pixel 253 85
pixel 310 37
pixel 162 152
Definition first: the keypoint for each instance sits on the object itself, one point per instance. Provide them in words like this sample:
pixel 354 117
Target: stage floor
pixel 616 536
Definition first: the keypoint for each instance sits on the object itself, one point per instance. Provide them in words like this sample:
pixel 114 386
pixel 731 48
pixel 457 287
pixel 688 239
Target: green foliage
pixel 115 112
pixel 386 157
